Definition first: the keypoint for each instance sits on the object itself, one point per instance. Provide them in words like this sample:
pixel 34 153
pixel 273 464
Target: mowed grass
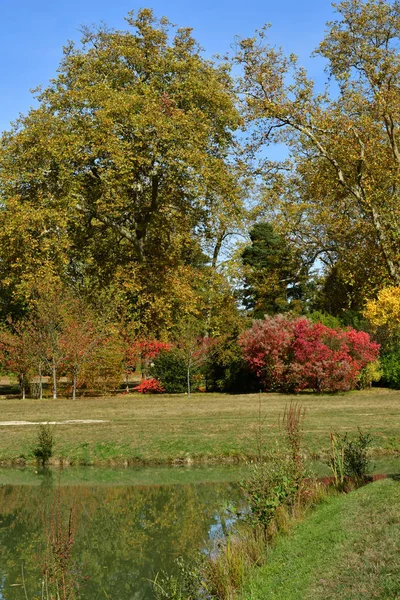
pixel 164 428
pixel 349 548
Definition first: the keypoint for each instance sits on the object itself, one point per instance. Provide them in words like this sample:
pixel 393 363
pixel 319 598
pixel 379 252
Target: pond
pixel 125 530
pixel 128 524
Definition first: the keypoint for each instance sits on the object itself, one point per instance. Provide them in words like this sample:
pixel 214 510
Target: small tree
pixel 44 443
pixel 49 305
pixel 37 350
pixel 19 352
pixel 127 335
pixel 79 338
pixel 192 345
pixel 103 367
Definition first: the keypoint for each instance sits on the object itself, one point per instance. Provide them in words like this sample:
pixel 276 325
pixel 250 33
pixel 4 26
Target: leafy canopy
pixel 122 163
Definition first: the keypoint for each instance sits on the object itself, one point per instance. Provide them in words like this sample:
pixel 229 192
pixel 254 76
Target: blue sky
pixel 33 32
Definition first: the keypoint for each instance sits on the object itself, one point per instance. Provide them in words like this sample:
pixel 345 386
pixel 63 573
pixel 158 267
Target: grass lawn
pixel 165 428
pixel 349 548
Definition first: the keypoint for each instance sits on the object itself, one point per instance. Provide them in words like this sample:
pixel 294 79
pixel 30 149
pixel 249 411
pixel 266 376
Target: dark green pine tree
pixel 273 273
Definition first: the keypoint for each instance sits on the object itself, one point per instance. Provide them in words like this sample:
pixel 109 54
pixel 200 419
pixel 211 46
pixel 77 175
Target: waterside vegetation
pixel 281 500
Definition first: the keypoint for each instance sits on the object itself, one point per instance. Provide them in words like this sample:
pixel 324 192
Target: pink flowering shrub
pixel 295 354
pixel 150 386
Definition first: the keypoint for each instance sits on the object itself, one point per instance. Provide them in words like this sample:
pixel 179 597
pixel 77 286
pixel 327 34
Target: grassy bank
pixel 349 547
pixel 162 429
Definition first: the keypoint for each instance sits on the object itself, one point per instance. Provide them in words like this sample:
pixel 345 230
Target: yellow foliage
pixel 385 310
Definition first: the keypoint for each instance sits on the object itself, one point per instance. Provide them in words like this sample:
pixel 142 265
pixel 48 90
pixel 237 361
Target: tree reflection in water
pixel 124 534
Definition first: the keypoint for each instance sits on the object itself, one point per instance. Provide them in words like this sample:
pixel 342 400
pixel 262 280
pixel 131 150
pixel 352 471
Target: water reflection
pixel 124 534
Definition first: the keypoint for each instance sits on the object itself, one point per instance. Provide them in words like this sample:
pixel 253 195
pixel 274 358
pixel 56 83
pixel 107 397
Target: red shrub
pixel 150 386
pixel 295 354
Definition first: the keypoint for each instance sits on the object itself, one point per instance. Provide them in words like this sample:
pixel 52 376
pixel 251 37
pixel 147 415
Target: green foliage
pixel 226 370
pixel 171 371
pixel 357 464
pixel 369 374
pixel 344 299
pixel 346 549
pixel 326 319
pixel 44 443
pixel 355 319
pixel 226 572
pixel 184 586
pixel 349 457
pixel 336 459
pixel 390 362
pixel 125 169
pixel 271 484
pixel 271 272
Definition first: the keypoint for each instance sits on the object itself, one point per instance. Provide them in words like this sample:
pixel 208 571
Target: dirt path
pixel 71 422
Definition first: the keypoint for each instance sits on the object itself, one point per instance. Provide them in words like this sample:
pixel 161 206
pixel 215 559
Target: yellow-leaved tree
pixel 124 164
pixel 384 314
pixel 337 195
pixel 385 310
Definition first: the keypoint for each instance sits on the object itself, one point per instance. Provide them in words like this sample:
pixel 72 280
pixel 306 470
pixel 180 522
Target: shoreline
pixel 184 461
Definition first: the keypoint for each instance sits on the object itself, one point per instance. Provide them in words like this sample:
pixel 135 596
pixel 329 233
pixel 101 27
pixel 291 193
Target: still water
pixel 128 524
pixel 125 529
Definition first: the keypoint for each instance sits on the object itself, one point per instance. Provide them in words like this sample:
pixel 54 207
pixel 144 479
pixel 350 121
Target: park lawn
pixel 348 548
pixel 166 428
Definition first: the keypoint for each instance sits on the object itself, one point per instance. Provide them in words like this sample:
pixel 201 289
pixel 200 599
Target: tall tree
pixel 124 160
pixel 272 272
pixel 341 197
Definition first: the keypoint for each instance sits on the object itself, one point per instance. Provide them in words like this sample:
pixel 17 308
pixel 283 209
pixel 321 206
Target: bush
pixel 277 480
pixel 150 386
pixel 271 484
pixel 326 319
pixel 291 355
pixel 369 374
pixel 44 443
pixel 390 363
pixel 356 461
pixel 226 370
pixel 169 367
pixel 349 457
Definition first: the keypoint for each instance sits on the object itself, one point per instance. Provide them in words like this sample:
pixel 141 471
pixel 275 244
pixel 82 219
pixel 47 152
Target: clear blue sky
pixel 33 32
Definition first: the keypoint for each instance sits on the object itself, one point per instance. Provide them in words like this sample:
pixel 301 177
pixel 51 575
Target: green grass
pixel 349 548
pixel 162 429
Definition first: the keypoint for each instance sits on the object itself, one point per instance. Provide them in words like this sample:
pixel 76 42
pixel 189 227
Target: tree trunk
pixel 74 385
pixel 127 381
pixel 386 250
pixel 40 383
pixel 188 380
pixel 54 370
pixel 23 388
pixel 217 249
